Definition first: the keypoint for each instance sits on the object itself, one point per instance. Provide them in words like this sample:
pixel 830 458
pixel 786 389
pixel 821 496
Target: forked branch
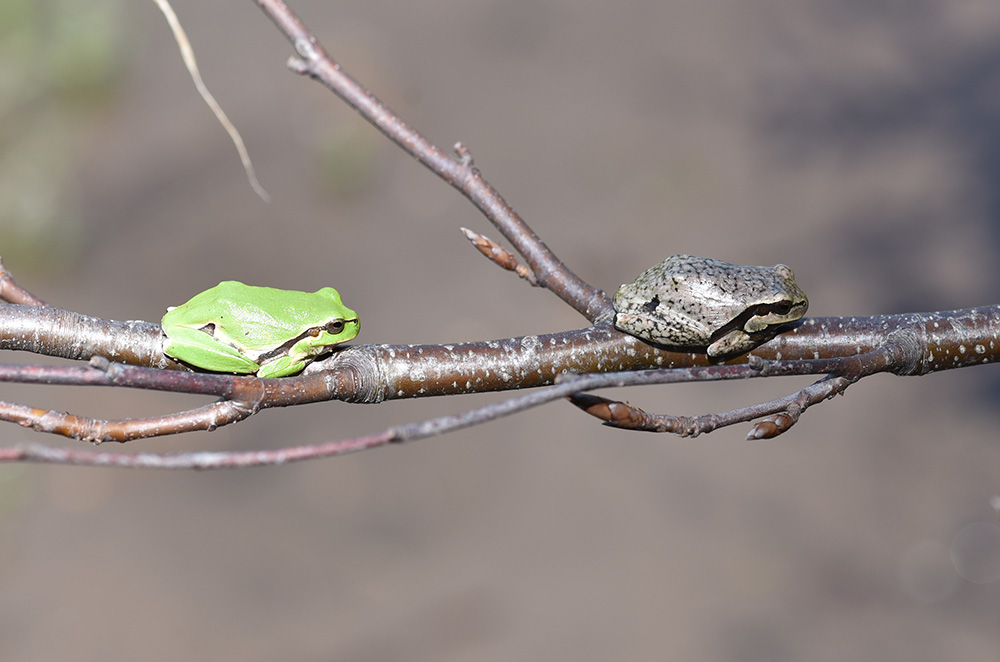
pixel 562 365
pixel 899 354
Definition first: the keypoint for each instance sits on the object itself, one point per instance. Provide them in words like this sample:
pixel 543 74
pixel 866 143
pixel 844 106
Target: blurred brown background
pixel 856 141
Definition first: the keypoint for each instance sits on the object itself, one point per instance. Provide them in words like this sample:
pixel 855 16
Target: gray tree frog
pixel 688 301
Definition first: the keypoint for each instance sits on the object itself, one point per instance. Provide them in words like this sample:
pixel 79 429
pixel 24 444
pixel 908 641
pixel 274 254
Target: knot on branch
pixel 908 352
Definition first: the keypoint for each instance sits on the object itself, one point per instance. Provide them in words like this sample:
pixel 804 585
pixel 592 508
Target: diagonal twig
pixel 12 292
pixel 460 172
pixel 496 253
pixel 187 54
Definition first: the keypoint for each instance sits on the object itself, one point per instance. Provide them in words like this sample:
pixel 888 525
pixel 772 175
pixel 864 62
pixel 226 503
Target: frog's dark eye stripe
pixel 782 307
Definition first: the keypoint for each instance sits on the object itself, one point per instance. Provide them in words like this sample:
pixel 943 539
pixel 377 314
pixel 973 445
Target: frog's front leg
pixel 282 366
pixel 201 349
pixel 293 361
pixel 734 342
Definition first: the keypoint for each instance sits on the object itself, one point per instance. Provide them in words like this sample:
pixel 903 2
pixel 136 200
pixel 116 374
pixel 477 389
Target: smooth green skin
pixel 245 329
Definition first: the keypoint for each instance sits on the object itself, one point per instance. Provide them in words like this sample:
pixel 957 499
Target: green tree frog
pixel 688 301
pixel 244 329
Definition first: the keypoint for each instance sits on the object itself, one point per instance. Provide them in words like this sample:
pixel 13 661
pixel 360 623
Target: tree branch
pixel 566 364
pixel 461 173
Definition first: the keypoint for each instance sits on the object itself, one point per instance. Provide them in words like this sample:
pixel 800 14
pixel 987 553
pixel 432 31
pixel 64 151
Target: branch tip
pixel 772 426
pixel 499 255
pixel 11 292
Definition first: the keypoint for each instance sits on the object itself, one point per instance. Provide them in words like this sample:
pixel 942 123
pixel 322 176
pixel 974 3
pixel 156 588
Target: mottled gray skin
pixel 688 301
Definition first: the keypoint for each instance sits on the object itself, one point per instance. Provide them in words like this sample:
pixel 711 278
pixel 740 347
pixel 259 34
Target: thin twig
pixel 410 432
pixel 496 253
pixel 781 413
pixel 14 293
pixel 98 431
pixel 187 54
pixel 461 173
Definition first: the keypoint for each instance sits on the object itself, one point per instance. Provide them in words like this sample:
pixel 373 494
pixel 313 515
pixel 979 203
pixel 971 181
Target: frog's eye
pixel 782 307
pixel 335 327
pixel 651 305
